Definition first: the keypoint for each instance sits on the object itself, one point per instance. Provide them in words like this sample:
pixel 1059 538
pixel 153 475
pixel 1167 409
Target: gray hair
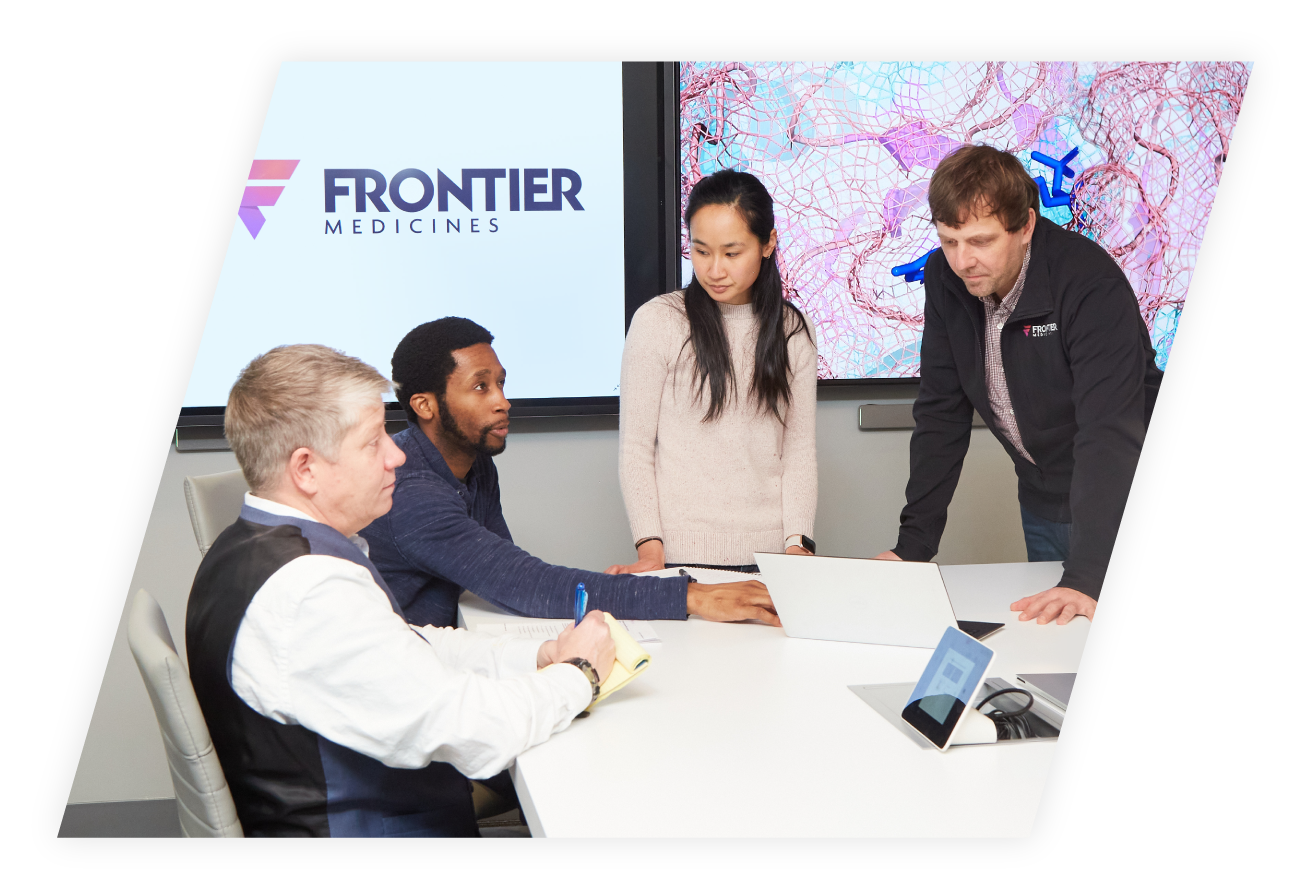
pixel 296 396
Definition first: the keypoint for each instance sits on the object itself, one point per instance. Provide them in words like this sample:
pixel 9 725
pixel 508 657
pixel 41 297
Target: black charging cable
pixel 1011 724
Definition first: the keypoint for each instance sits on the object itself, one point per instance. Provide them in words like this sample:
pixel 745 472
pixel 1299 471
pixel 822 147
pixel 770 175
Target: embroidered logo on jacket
pixel 1040 329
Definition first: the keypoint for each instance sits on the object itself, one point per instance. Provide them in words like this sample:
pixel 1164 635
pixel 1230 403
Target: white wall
pixel 561 495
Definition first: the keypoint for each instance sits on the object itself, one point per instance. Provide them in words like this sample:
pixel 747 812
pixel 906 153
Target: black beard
pixel 452 430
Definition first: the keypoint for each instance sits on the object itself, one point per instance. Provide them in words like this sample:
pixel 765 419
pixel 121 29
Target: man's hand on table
pixel 1062 604
pixel 733 602
pixel 590 641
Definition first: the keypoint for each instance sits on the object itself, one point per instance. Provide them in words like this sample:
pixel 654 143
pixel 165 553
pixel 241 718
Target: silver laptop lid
pixel 867 601
pixel 1055 687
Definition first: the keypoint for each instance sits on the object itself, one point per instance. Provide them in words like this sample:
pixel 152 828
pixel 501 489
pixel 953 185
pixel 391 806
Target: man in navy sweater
pixel 445 532
pixel 1037 329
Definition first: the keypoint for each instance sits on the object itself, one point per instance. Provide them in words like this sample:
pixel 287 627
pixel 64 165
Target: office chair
pixel 214 503
pixel 205 806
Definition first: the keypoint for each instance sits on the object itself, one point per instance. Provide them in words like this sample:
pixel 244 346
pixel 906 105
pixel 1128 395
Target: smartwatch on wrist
pixel 800 541
pixel 593 678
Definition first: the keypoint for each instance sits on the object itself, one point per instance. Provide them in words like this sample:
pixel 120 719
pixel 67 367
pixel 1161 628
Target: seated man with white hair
pixel 331 716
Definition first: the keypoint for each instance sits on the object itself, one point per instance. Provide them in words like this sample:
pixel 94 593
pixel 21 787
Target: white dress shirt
pixel 320 646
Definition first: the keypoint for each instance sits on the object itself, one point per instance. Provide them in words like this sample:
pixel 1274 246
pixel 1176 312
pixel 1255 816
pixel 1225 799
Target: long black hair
pixel 777 319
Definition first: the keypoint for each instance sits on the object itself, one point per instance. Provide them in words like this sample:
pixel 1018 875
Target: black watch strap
pixel 593 678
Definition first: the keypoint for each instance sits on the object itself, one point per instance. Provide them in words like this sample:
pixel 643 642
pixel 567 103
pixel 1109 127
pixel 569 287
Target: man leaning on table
pixel 445 532
pixel 330 715
pixel 1037 329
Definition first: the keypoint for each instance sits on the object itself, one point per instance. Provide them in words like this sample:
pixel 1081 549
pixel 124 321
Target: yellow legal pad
pixel 630 660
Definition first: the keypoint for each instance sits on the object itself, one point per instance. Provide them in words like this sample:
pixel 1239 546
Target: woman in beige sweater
pixel 717 397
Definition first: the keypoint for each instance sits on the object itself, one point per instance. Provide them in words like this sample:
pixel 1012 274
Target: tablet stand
pixel 973 728
pixel 888 701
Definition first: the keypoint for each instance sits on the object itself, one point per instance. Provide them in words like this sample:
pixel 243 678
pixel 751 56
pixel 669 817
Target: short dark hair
pixel 423 361
pixel 985 181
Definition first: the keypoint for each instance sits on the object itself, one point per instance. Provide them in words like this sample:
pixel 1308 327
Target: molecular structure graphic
pixel 1061 169
pixel 1128 154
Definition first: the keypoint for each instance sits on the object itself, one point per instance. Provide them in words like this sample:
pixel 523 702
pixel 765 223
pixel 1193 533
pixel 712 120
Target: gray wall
pixel 561 494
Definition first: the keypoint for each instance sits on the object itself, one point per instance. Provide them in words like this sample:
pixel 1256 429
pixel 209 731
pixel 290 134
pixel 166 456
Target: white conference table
pixel 737 730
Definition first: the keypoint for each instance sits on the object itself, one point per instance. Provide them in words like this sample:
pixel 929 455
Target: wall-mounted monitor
pixel 525 196
pixel 1130 154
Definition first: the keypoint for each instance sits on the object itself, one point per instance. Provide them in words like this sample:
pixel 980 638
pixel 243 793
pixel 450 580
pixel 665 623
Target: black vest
pixel 285 779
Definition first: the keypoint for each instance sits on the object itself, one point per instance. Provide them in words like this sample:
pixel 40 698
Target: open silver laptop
pixel 867 601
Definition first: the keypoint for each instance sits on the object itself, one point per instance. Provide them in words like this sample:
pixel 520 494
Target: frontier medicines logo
pixel 368 191
pixel 1039 329
pixel 263 196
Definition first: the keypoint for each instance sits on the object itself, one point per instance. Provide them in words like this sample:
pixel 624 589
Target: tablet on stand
pixel 941 707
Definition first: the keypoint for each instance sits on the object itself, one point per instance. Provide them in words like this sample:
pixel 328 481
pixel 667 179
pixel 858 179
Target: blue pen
pixel 580 603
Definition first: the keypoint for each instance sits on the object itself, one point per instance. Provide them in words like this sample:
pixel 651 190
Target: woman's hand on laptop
pixel 651 555
pixel 733 602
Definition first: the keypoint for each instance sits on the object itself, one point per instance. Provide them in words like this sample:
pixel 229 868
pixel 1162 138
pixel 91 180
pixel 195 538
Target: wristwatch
pixel 800 541
pixel 593 678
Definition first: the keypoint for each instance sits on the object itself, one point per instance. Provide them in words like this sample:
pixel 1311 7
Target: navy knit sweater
pixel 443 536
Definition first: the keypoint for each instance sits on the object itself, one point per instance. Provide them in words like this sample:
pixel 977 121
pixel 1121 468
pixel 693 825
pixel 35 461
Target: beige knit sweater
pixel 713 492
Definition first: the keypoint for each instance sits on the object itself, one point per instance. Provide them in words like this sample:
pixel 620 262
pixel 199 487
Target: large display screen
pixel 1129 154
pixel 384 195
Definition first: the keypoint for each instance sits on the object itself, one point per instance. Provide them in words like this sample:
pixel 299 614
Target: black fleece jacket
pixel 1083 378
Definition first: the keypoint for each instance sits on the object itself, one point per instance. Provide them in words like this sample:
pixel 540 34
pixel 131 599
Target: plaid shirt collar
pixel 1008 302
